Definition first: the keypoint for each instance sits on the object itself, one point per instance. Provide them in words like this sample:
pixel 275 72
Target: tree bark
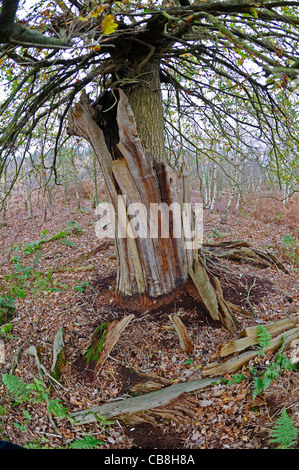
pixel 150 265
pixel 145 100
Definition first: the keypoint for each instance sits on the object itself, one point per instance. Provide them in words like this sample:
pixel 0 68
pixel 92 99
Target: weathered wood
pixel 235 363
pixel 249 336
pixel 237 309
pixel 212 297
pixel 206 291
pixel 232 365
pixel 148 383
pixel 163 260
pixel 236 346
pixel 151 266
pixel 142 402
pixel 81 122
pixel 103 341
pixel 127 186
pixel 273 327
pixel 242 251
pixel 225 313
pixel 185 341
pixel 59 357
pixel 180 410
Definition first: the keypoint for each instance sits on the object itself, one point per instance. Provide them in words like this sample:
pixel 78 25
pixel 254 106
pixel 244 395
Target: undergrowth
pixel 284 432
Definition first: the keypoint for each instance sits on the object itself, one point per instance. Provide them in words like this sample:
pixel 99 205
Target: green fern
pixel 87 442
pixel 271 374
pixel 16 387
pixel 236 379
pixel 284 432
pixel 257 386
pixel 263 337
pixel 56 407
pixel 261 383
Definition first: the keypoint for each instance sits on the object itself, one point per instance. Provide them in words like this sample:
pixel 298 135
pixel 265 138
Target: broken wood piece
pixel 181 331
pixel 103 341
pixel 235 363
pixel 230 365
pixel 180 410
pixel 273 328
pixel 212 297
pixel 59 357
pixel 206 291
pixel 242 251
pixel 238 309
pixel 287 336
pixel 141 403
pixel 251 336
pixel 147 382
pixel 237 345
pixel 226 315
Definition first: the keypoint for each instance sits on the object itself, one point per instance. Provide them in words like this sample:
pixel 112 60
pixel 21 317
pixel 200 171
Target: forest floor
pixel 42 296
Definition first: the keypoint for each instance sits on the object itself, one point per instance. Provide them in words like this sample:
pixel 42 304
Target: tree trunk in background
pixel 3 189
pixel 232 191
pixel 131 154
pixel 65 175
pixel 214 188
pixel 75 173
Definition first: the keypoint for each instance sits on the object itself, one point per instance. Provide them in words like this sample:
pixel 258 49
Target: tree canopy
pixel 224 65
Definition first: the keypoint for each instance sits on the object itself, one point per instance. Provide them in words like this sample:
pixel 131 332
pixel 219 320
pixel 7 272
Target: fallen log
pixel 235 363
pixel 273 327
pixel 141 403
pixel 249 336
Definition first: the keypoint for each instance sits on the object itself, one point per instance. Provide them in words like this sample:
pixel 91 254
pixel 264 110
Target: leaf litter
pixel 222 416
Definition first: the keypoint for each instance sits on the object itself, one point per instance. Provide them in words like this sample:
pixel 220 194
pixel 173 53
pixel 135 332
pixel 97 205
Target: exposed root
pixel 242 251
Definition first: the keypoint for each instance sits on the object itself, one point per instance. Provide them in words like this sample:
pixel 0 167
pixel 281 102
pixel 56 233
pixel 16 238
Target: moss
pixel 60 363
pixel 98 340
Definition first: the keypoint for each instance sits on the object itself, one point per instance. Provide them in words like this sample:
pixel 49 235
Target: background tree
pixel 133 57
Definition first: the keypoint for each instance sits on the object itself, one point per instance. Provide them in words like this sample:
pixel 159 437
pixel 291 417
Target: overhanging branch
pixel 13 33
pixel 21 36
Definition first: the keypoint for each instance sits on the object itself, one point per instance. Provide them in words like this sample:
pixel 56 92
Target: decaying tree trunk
pixel 151 263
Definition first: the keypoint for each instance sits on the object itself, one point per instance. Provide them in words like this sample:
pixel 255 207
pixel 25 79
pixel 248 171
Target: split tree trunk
pixel 131 154
pixel 150 265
